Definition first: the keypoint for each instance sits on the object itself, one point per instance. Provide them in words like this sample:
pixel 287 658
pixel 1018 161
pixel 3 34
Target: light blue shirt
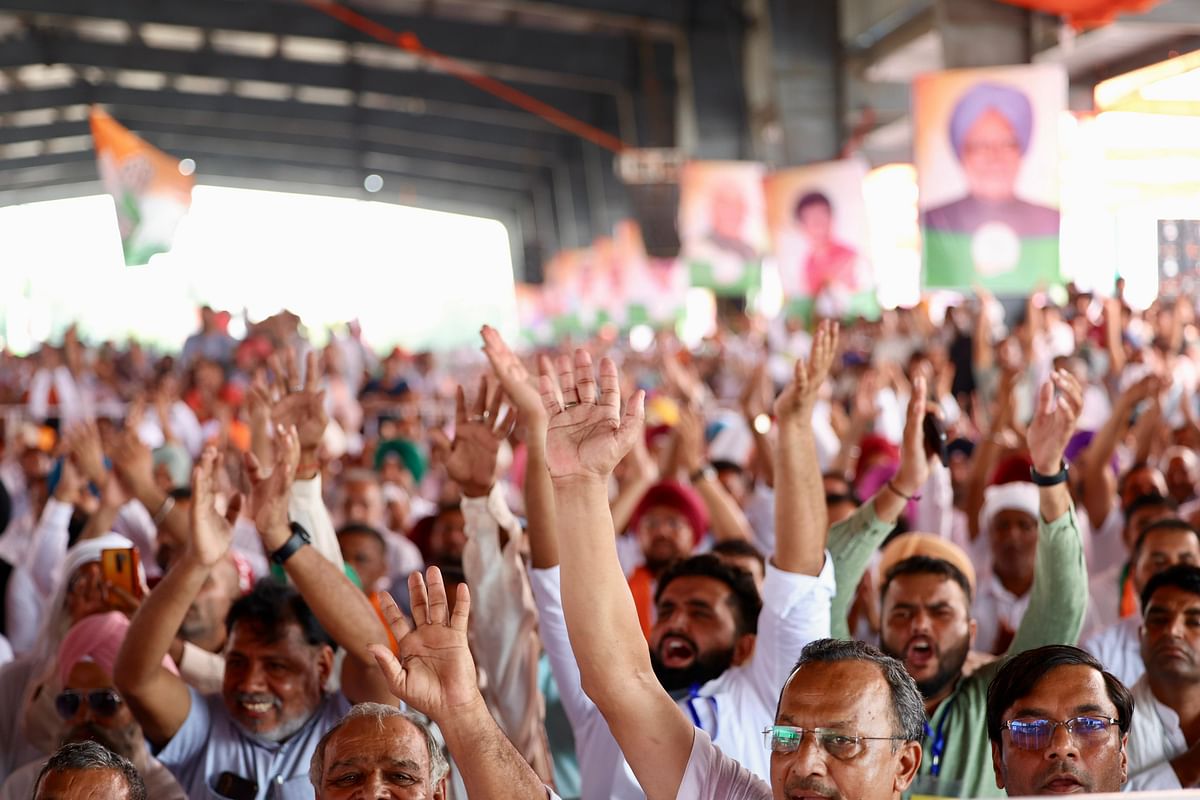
pixel 209 743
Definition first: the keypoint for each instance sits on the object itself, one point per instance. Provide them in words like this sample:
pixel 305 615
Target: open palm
pixel 799 397
pixel 587 435
pixel 471 458
pixel 435 672
pixel 212 534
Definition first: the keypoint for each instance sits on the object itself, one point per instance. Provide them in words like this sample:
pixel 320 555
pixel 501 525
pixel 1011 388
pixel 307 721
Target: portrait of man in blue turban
pixel 990 130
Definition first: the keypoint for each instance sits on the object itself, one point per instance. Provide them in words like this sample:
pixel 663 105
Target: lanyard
pixel 693 696
pixel 938 749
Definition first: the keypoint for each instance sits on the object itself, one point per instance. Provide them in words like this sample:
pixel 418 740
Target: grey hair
pixel 908 708
pixel 438 765
pixel 93 755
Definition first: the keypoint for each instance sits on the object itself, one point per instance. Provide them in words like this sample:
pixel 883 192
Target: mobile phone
pixel 935 439
pixel 120 567
pixel 235 787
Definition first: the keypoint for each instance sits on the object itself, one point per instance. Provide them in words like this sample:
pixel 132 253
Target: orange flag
pixel 150 192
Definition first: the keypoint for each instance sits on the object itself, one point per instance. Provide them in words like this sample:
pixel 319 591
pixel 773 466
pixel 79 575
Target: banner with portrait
pixel 818 224
pixel 722 225
pixel 987 157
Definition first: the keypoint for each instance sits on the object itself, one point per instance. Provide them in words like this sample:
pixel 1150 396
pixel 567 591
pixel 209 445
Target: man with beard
pixel 859 712
pixel 925 618
pixel 1040 691
pixel 92 710
pixel 1164 744
pixel 722 658
pixel 259 733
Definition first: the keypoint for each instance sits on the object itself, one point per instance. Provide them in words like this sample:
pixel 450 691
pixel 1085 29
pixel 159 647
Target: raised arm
pixel 504 637
pixel 801 522
pixel 436 676
pixel 342 609
pixel 728 520
pixel 853 541
pixel 587 436
pixel 160 700
pixel 1098 484
pixel 1058 599
pixel 541 523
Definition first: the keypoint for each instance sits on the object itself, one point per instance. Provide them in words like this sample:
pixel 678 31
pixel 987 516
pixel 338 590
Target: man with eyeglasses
pixel 1164 745
pixel 90 709
pixel 849 719
pixel 1058 724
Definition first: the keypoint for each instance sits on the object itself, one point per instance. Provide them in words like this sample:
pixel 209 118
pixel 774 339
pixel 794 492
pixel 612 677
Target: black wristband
pixel 298 539
pixel 1049 480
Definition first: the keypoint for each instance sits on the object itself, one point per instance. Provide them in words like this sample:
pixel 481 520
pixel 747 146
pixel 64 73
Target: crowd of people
pixel 942 556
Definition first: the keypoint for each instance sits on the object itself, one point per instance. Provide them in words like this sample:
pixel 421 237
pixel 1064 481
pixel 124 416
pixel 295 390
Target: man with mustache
pixel 704 638
pixel 848 718
pixel 1058 724
pixel 257 736
pixel 926 620
pixel 1164 744
pixel 1162 544
pixel 92 710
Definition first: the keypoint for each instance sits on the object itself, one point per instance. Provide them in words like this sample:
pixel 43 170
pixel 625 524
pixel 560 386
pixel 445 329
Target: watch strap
pixel 1040 479
pixel 298 539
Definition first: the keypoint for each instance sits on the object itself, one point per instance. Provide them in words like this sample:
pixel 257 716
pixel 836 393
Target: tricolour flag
pixel 150 192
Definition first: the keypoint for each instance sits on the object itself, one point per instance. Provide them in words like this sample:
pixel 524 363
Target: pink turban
pixel 96 638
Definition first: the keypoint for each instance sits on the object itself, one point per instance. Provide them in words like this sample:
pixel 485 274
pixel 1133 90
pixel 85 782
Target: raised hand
pixel 302 407
pixel 587 435
pixel 435 672
pixel 1058 407
pixel 914 461
pixel 795 403
pixel 471 458
pixel 518 384
pixel 212 533
pixel 131 460
pixel 269 488
pixel 87 452
pixel 690 430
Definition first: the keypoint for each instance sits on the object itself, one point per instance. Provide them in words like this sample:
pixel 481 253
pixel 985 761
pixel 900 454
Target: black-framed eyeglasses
pixel 839 744
pixel 1036 734
pixel 103 702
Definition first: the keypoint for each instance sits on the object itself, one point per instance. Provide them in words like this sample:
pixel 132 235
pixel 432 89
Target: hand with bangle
pixel 914 461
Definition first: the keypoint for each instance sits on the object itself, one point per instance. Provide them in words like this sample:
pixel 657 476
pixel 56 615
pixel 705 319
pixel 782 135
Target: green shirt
pixel 1057 604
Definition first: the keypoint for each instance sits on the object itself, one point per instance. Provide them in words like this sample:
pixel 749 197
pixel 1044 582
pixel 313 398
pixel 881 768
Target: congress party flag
pixel 150 192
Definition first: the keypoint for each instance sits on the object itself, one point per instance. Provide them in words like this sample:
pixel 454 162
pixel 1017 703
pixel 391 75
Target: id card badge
pixel 930 787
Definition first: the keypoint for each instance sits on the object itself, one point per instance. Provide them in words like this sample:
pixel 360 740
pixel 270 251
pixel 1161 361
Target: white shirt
pixel 712 775
pixel 1104 604
pixel 1117 647
pixel 733 709
pixel 996 607
pixel 1154 739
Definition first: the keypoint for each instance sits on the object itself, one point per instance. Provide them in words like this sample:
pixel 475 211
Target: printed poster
pixel 722 225
pixel 987 157
pixel 818 223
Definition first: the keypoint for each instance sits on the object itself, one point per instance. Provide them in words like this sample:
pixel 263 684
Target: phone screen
pixel 120 569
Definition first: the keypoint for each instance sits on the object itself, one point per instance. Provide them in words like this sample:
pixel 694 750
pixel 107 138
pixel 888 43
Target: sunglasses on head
pixel 103 702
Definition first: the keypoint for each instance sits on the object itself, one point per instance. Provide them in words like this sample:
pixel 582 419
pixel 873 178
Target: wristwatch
pixel 707 472
pixel 298 539
pixel 1049 480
